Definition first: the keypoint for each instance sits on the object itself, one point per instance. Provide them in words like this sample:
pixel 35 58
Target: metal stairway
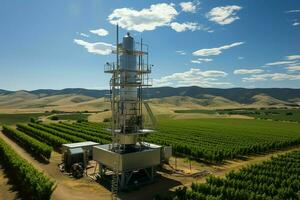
pixel 150 113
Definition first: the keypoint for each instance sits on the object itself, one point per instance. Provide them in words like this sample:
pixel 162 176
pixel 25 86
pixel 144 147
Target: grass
pixel 274 114
pixel 196 111
pixel 11 119
pixel 71 116
pixel 218 139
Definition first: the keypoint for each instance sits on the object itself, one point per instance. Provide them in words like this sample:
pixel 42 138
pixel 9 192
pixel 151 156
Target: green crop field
pixel 30 182
pixel 204 139
pixel 76 132
pixel 276 179
pixel 196 111
pixel 276 114
pixel 71 116
pixel 10 119
pixel 210 140
pixel 218 139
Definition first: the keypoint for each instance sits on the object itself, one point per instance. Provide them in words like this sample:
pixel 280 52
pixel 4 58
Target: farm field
pixel 66 187
pixel 276 179
pixel 30 181
pixel 219 139
pixel 7 189
pixel 9 119
pixel 212 140
pixel 70 116
pixel 276 114
pixel 196 111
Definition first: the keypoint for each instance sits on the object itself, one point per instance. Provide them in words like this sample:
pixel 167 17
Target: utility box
pixel 72 156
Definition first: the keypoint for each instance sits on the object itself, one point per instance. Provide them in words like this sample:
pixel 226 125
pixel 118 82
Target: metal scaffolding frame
pixel 127 121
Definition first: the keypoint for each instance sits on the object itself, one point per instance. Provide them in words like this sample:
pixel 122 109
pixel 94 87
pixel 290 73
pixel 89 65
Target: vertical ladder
pixel 115 181
pixel 115 170
pixel 115 176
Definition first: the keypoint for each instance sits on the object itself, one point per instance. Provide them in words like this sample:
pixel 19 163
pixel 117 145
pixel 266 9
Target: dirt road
pixel 7 191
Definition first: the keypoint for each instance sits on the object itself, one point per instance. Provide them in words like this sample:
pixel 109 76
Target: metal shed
pixel 87 146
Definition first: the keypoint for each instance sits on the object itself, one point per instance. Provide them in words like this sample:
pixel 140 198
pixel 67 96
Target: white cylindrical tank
pixel 128 89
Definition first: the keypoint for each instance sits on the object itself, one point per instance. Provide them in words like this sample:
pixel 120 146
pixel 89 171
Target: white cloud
pixel 100 32
pixel 200 60
pixel 196 61
pixel 293 68
pixel 181 52
pixel 205 59
pixel 292 11
pixel 282 76
pixel 293 57
pixel 253 79
pixel 280 63
pixel 84 35
pixel 248 71
pixel 296 23
pixel 240 58
pixel 193 77
pixel 224 14
pixel 189 6
pixel 274 77
pixel 213 73
pixel 215 51
pixel 99 48
pixel 158 15
pixel 192 26
pixel 144 20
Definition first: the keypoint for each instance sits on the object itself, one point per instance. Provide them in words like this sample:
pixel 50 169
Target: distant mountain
pixel 240 95
pixel 169 97
pixel 77 91
pixel 3 92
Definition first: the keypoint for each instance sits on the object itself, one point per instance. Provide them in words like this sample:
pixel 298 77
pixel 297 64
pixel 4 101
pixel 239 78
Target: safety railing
pixel 111 67
pixel 131 81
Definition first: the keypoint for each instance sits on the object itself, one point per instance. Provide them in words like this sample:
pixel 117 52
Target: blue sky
pixel 64 44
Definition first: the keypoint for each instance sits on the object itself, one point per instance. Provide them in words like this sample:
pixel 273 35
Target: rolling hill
pixel 163 98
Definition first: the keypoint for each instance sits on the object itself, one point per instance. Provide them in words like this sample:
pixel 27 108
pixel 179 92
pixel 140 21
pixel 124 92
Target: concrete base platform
pixel 145 156
pixel 133 168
